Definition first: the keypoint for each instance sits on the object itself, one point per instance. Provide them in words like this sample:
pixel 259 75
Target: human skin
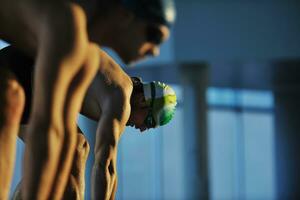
pixel 60 80
pixel 108 101
pixel 12 101
pixel 75 188
pixel 109 83
pixel 15 68
pixel 58 67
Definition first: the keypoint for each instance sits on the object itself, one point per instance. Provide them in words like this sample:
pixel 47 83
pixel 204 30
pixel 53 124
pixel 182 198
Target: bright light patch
pixel 3 44
pixel 243 98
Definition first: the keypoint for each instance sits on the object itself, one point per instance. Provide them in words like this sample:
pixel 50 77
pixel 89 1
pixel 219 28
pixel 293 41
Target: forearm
pixel 110 128
pixel 103 179
pixel 55 68
pixel 72 106
pixel 76 184
pixel 114 191
pixel 104 170
pixel 41 161
pixel 7 159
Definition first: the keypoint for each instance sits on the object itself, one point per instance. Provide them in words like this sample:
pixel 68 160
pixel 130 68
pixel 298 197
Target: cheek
pixel 131 53
pixel 139 117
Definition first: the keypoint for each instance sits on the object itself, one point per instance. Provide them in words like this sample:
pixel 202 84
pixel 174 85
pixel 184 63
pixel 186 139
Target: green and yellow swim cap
pixel 162 101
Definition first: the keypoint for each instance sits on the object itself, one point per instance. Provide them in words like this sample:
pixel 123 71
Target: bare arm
pixel 114 190
pixel 104 171
pixel 56 67
pixel 110 127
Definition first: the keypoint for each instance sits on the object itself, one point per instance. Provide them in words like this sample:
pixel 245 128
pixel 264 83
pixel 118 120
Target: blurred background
pixel 235 65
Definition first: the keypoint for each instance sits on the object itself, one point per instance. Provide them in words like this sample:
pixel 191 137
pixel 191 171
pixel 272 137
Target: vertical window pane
pixel 241 144
pixel 172 158
pixel 222 132
pixel 259 166
pixel 137 169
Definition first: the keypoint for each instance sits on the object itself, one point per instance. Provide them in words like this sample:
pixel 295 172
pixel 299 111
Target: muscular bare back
pixel 20 21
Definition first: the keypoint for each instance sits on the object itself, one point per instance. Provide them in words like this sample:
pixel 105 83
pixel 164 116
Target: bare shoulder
pixel 115 77
pixel 111 89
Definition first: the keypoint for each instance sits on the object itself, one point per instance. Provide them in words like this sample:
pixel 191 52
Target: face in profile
pixel 132 38
pixel 143 40
pixel 139 112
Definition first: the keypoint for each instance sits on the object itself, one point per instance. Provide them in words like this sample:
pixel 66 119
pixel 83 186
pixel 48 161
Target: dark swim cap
pixel 154 11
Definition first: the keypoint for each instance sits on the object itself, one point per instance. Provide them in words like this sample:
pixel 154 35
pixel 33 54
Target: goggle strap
pixel 153 93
